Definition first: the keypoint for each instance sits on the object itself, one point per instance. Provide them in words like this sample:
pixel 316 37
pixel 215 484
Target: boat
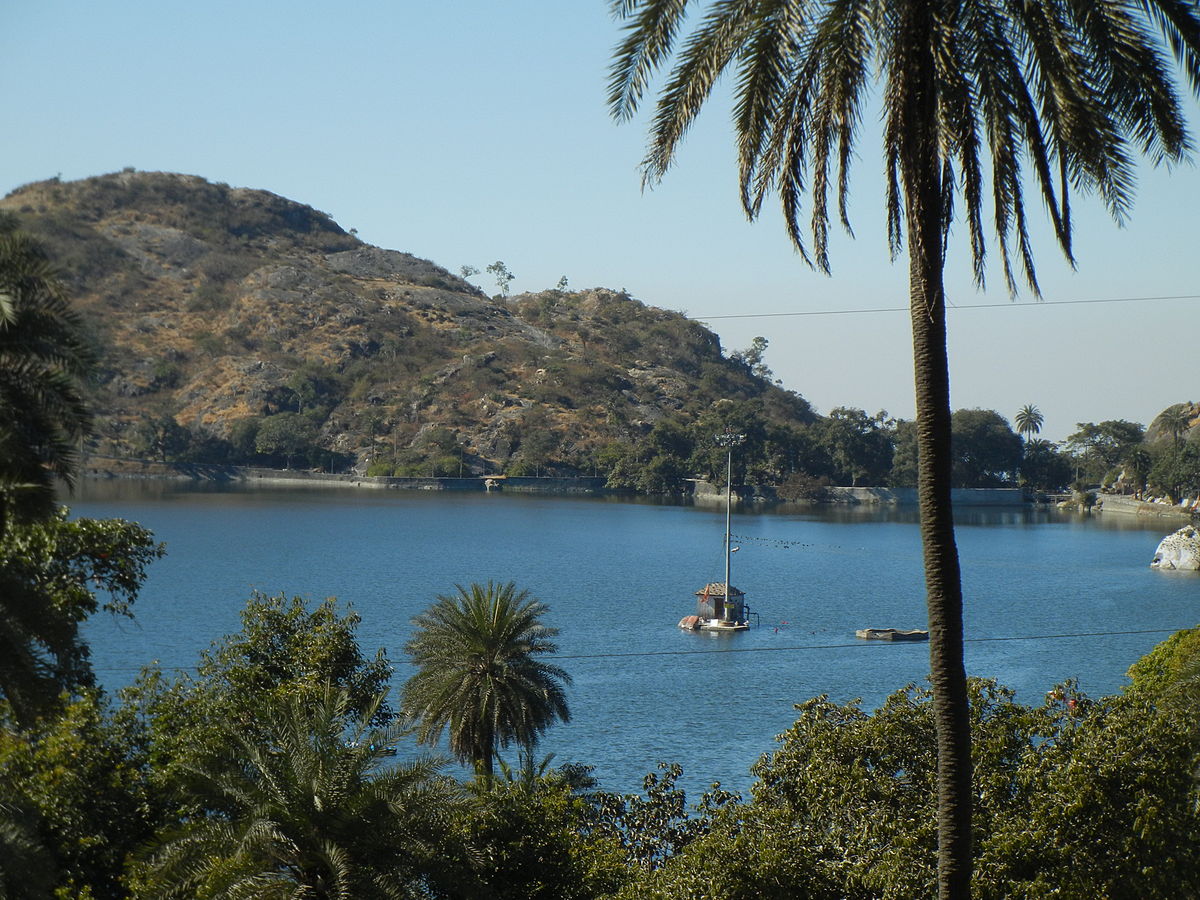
pixel 720 606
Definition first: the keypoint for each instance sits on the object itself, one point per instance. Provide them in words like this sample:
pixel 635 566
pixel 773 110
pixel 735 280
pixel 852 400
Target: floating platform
pixel 699 623
pixel 892 634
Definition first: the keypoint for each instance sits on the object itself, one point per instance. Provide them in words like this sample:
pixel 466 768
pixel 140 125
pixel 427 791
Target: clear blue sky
pixel 471 131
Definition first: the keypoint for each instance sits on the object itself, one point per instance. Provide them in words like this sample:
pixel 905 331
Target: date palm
pixel 43 363
pixel 1057 94
pixel 1029 420
pixel 480 676
pixel 301 807
pixel 1174 421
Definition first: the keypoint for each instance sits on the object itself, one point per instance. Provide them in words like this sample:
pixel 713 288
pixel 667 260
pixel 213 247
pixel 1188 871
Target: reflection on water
pixel 619 575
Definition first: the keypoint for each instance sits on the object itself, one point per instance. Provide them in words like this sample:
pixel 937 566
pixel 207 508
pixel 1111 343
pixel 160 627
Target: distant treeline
pixel 848 447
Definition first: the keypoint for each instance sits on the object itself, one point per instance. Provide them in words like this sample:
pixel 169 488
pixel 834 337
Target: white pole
pixel 728 509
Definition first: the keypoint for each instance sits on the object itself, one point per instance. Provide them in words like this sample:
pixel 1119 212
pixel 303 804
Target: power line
pixel 801 648
pixel 892 309
pixel 864 644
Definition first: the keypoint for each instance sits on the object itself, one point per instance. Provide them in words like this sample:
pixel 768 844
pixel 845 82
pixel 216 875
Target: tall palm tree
pixel 314 811
pixel 1174 421
pixel 479 675
pixel 1029 420
pixel 1059 94
pixel 43 363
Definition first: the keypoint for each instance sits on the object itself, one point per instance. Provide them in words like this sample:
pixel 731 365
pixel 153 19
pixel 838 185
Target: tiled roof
pixel 717 589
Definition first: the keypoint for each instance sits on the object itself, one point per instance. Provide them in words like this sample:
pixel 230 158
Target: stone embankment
pixel 112 467
pixel 708 493
pixel 1123 505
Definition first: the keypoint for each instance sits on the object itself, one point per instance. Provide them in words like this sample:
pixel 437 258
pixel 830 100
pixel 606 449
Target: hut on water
pixel 711 603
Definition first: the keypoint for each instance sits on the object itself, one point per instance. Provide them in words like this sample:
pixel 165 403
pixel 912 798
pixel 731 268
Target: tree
pixel 503 276
pixel 52 576
pixel 163 438
pixel 752 358
pixel 1029 420
pixel 1175 422
pixel 480 676
pixel 1075 798
pixel 85 799
pixel 286 649
pixel 539 838
pixel 861 451
pixel 986 452
pixel 904 454
pixel 1043 467
pixel 1176 472
pixel 284 434
pixel 1098 448
pixel 1074 90
pixel 44 361
pixel 301 807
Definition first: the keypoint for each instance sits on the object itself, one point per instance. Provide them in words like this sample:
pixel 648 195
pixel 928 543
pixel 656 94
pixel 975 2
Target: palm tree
pixel 1175 422
pixel 43 362
pixel 479 675
pixel 314 811
pixel 1058 94
pixel 1029 420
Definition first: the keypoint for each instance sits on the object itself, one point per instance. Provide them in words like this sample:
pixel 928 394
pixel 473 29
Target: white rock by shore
pixel 1180 550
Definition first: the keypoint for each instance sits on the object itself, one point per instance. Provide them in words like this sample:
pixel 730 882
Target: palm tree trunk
pixel 943 583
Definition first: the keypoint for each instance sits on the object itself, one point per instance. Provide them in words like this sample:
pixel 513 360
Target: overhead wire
pixel 860 644
pixel 892 309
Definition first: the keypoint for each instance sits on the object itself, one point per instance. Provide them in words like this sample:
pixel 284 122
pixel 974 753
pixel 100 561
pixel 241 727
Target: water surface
pixel 1048 597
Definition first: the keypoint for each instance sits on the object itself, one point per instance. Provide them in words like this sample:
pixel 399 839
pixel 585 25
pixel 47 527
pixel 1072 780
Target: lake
pixel 1048 596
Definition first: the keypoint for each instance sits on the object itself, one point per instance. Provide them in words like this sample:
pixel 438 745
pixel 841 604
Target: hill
pixel 235 325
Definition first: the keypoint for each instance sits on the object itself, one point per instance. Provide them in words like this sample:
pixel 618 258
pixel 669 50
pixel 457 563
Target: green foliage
pixel 656 827
pixel 161 438
pixel 1175 470
pixel 800 486
pixel 859 448
pixel 1170 668
pixel 85 799
pixel 1098 448
pixel 1044 467
pixel 285 651
pixel 53 576
pixel 904 454
pixel 44 361
pixel 1029 420
pixel 284 436
pixel 503 276
pixel 752 358
pixel 987 453
pixel 539 838
pixel 298 805
pixel 1073 798
pixel 480 675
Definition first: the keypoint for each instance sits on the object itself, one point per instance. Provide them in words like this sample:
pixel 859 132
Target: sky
pixel 469 132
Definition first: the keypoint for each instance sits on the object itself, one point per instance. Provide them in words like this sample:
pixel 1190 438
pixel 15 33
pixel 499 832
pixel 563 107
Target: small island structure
pixel 717 612
pixel 721 607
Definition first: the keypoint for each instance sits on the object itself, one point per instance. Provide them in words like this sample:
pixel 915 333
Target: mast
pixel 728 440
pixel 728 516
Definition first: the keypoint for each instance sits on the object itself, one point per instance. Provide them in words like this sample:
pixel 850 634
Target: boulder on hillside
pixel 1180 550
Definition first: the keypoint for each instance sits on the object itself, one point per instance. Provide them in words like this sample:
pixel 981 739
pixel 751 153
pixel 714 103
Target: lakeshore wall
pixel 102 467
pixel 708 493
pixel 703 492
pixel 1127 506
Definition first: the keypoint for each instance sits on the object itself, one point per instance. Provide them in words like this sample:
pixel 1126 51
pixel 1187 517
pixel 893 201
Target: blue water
pixel 618 576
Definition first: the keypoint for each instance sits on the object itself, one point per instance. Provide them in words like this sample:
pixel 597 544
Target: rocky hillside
pixel 238 326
